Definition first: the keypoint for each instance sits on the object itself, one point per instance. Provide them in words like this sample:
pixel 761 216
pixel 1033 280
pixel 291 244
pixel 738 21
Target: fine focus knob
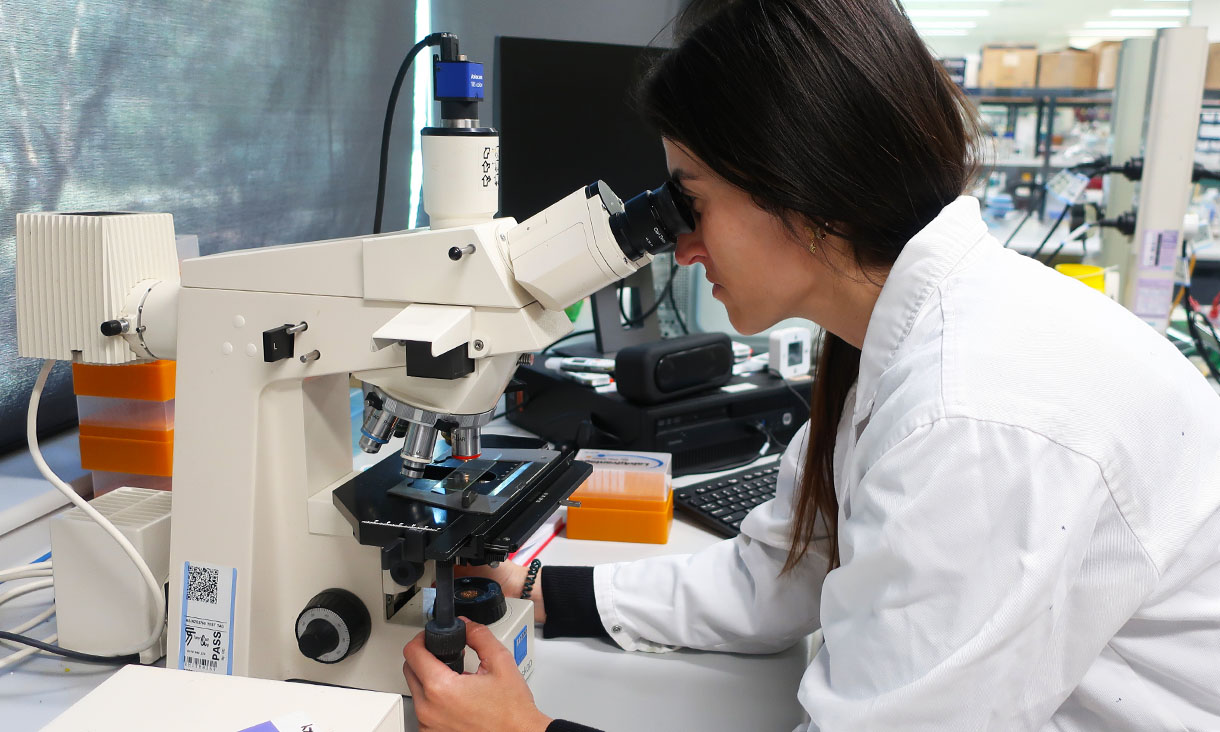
pixel 333 625
pixel 479 599
pixel 319 638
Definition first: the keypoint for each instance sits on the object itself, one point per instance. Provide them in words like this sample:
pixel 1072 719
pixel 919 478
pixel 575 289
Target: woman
pixel 1004 512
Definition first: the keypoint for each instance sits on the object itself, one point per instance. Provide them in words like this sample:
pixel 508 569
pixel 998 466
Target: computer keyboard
pixel 719 504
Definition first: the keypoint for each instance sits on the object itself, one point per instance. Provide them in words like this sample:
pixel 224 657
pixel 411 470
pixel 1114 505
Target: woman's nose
pixel 689 249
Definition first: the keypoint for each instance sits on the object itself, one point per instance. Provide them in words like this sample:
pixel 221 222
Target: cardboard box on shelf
pixel 1212 80
pixel 1107 62
pixel 1070 68
pixel 1009 66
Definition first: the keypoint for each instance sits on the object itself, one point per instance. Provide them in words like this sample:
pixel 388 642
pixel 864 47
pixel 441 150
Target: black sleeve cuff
pixel 571 607
pixel 562 725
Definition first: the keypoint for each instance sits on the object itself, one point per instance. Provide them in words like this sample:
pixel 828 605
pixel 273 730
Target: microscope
pixel 285 562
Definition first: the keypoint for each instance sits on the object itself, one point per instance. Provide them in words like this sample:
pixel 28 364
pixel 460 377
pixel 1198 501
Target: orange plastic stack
pixel 126 424
pixel 628 498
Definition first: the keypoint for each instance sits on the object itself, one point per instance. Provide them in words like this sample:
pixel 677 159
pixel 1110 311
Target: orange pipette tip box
pixel 152 382
pixel 628 498
pixel 127 450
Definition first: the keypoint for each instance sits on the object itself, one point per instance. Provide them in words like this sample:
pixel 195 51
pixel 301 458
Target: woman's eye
pixel 691 203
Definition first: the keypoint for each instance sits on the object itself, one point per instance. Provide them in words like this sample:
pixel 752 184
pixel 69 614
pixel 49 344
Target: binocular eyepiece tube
pixel 650 222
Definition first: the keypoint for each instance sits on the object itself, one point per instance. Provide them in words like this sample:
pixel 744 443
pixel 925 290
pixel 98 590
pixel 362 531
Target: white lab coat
pixel 1029 487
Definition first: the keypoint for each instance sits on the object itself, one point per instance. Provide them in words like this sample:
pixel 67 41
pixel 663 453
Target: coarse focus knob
pixel 333 625
pixel 479 598
pixel 448 644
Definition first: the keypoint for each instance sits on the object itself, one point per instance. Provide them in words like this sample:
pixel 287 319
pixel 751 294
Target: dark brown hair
pixel 823 111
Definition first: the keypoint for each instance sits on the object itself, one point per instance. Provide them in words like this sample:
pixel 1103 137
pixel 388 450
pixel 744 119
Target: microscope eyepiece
pixel 650 222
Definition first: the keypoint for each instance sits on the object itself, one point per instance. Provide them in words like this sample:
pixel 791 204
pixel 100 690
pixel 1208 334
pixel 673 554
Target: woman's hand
pixel 511 578
pixel 494 699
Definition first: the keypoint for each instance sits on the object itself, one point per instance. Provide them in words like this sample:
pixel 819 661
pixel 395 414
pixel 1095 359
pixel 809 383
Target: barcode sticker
pixel 208 593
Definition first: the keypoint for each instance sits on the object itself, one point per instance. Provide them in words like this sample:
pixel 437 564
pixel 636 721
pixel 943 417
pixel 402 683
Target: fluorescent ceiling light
pixel 1110 35
pixel 948 13
pixel 1150 13
pixel 937 33
pixel 1115 24
pixel 942 24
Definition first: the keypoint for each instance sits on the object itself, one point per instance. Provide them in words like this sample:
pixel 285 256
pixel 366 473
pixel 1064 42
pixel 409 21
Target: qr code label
pixel 202 584
pixel 206 641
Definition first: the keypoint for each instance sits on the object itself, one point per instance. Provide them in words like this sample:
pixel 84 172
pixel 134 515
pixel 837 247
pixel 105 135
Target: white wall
pixel 1207 13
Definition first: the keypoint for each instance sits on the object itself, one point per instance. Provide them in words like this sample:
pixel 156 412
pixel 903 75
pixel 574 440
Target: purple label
pixel 1160 250
pixel 1153 298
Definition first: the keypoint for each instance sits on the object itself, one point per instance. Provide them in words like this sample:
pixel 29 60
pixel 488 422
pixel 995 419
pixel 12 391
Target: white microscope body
pixel 267 343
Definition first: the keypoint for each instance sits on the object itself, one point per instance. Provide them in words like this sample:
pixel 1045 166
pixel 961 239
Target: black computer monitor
pixel 566 117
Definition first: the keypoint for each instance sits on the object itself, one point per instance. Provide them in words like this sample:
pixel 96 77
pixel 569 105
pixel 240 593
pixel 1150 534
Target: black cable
pixel 509 410
pixel 569 336
pixel 798 395
pixel 1062 244
pixel 753 456
pixel 632 323
pixel 1020 223
pixel 1206 321
pixel 1062 215
pixel 1192 324
pixel 770 435
pixel 432 40
pixel 74 655
pixel 1092 166
pixel 1213 360
pixel 1197 336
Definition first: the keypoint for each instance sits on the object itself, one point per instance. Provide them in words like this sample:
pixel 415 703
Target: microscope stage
pixel 481 485
pixel 479 510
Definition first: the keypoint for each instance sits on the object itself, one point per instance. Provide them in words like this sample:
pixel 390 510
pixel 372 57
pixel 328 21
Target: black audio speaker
pixel 656 372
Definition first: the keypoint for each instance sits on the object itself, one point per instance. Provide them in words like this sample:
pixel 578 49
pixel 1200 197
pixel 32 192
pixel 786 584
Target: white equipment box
pixel 147 699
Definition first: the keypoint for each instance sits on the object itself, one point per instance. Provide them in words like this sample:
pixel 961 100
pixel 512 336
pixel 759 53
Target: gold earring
pixel 815 234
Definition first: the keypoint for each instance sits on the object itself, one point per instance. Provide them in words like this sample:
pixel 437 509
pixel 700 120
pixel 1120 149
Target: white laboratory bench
pixel 589 681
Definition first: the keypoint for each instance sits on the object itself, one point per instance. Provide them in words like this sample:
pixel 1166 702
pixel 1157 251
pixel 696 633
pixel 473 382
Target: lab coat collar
pixel 922 265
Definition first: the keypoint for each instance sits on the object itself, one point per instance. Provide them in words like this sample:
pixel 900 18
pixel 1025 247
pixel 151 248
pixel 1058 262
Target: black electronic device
pixel 719 504
pixel 661 371
pixel 715 429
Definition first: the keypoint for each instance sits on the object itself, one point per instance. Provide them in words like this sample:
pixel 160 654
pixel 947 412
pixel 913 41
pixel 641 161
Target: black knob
pixel 112 328
pixel 479 598
pixel 319 638
pixel 334 625
pixel 456 253
pixel 406 573
pixel 447 643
